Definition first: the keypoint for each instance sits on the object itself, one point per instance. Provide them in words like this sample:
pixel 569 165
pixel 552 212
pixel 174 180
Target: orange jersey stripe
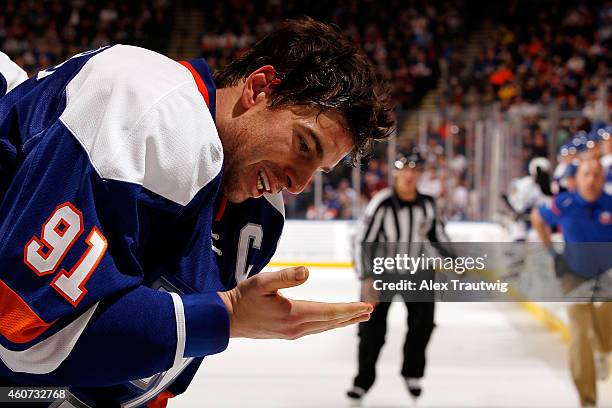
pixel 221 209
pixel 201 86
pixel 18 322
pixel 161 400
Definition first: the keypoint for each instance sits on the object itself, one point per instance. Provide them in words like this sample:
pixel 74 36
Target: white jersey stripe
pixel 375 229
pixel 179 361
pixel 403 221
pixel 181 331
pixel 389 226
pixel 47 355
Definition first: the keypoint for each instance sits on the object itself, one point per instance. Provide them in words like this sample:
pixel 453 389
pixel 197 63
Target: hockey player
pixel 527 192
pixel 110 167
pixel 245 237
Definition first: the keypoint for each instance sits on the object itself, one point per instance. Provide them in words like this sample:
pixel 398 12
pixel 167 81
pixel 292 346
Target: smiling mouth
pixel 263 184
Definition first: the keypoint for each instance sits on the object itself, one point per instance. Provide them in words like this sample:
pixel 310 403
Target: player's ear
pixel 258 86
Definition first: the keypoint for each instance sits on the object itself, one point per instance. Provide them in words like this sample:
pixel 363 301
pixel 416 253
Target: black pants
pixel 372 338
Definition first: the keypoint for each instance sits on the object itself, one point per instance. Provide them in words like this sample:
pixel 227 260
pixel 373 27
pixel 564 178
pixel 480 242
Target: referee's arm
pixel 437 233
pixel 368 229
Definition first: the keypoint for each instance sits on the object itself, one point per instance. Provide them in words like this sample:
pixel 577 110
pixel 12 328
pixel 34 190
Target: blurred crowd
pixel 541 53
pixel 405 39
pixel 545 66
pixel 38 34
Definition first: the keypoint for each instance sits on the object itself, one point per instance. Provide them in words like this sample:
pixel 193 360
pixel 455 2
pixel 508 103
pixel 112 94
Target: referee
pixel 401 214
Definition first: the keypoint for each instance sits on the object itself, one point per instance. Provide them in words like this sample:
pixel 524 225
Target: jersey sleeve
pixel 437 235
pixel 91 188
pixel 368 228
pixel 551 211
pixel 437 231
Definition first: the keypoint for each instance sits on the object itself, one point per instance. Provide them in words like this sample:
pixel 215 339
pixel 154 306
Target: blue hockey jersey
pixel 245 237
pixel 109 169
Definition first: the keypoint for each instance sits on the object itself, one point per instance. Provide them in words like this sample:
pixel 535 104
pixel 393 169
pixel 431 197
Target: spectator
pixel 40 33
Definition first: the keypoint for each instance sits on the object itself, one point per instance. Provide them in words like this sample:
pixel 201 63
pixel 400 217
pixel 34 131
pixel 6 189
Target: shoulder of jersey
pixel 564 200
pixel 141 119
pixel 525 182
pixel 427 197
pixel 379 198
pixel 11 74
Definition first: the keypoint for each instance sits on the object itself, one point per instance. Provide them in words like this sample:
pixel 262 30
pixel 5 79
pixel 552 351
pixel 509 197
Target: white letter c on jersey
pixel 247 233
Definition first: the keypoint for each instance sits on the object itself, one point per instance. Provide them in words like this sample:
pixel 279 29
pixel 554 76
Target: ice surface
pixel 481 355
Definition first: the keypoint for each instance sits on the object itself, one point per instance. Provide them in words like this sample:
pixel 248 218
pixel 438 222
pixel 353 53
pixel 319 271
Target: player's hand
pixel 258 311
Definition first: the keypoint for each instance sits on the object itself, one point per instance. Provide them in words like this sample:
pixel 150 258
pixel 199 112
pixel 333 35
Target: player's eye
pixel 303 145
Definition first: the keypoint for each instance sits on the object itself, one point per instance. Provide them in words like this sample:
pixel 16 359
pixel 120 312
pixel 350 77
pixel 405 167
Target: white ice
pixel 480 355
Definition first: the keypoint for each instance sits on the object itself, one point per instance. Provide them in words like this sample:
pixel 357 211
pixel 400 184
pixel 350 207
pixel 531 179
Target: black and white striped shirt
pixel 387 218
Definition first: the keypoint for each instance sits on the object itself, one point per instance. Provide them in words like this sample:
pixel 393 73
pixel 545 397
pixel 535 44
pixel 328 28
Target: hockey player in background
pixel 526 193
pixel 400 214
pixel 110 167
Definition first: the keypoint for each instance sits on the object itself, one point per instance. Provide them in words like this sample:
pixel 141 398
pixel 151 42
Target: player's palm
pixel 258 310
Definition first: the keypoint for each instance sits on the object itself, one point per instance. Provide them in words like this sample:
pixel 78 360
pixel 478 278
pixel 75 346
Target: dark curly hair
pixel 319 68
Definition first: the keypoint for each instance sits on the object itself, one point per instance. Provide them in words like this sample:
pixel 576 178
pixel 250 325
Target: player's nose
pixel 299 177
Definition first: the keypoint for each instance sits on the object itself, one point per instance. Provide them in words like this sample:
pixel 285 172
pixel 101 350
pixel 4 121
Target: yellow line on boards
pixel 312 264
pixel 547 319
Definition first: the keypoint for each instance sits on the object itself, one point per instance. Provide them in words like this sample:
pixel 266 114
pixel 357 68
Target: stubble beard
pixel 237 153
